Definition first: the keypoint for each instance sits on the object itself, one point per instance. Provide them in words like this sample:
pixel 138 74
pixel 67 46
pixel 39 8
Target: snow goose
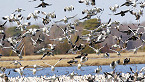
pixel 53 66
pixel 43 5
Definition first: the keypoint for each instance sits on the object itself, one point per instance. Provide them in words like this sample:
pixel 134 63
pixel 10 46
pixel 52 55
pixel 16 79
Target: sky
pixel 9 6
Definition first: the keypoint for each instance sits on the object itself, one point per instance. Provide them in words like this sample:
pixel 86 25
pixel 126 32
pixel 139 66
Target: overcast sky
pixel 8 6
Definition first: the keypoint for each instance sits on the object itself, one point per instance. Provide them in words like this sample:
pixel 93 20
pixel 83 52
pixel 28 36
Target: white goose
pixel 69 8
pixel 16 62
pixel 18 10
pixel 114 8
pixel 53 66
pixel 35 70
pixel 65 19
pixel 20 70
pixel 97 50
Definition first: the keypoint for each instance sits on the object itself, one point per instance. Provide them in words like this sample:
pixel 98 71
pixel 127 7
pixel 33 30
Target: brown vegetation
pixel 138 58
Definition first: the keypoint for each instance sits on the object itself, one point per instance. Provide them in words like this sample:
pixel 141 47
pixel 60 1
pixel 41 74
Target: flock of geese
pixel 95 36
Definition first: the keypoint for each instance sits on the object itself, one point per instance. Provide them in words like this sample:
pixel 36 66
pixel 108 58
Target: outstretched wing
pixel 58 61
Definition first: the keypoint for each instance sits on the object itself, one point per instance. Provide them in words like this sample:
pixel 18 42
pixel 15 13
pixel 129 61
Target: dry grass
pixel 93 59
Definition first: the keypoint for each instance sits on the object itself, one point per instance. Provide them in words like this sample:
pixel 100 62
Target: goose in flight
pixel 18 10
pixel 52 46
pixel 126 61
pixel 2 41
pixel 65 19
pixel 122 13
pixel 47 53
pixel 118 52
pixel 20 70
pixel 113 9
pixel 61 39
pixel 48 15
pixel 135 49
pixel 137 15
pixel 37 41
pixel 20 53
pixel 42 50
pixel 34 15
pixel 16 62
pixel 127 3
pixel 35 70
pixel 87 2
pixel 83 59
pixel 97 50
pixel 114 64
pixel 98 70
pixel 142 4
pixel 46 30
pixel 69 8
pixel 53 66
pixel 82 54
pixel 43 5
pixel 2 25
pixel 73 61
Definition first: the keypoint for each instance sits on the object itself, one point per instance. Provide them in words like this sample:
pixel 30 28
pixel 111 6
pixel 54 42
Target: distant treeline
pixel 61 48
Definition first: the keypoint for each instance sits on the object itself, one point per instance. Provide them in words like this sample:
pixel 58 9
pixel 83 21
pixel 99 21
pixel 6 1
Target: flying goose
pixel 53 66
pixel 65 19
pixel 16 62
pixel 2 41
pixel 47 53
pixel 3 69
pixel 45 21
pixel 118 52
pixel 42 50
pixel 43 5
pixel 126 61
pixel 2 25
pixel 82 54
pixel 122 13
pixel 33 15
pixel 37 41
pixel 142 4
pixel 113 9
pixel 35 66
pixel 20 70
pixel 106 55
pixel 114 64
pixel 52 46
pixel 97 50
pixel 69 8
pixel 51 14
pixel 35 70
pixel 135 49
pixel 72 61
pixel 137 15
pixel 98 70
pixel 18 10
pixel 127 3
pixel 46 30
pixel 61 39
pixel 20 53
pixel 87 2
pixel 83 59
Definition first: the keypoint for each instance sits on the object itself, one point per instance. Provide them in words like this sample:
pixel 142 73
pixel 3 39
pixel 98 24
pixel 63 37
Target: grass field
pixel 138 58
